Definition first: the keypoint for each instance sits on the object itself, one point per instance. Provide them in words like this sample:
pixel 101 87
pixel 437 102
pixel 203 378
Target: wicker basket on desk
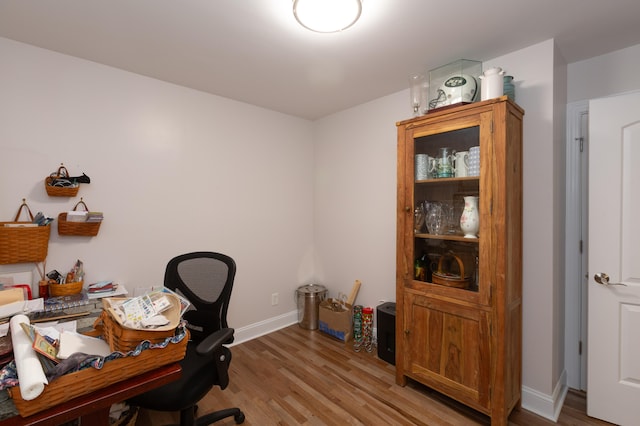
pixel 67 289
pixel 90 379
pixel 123 339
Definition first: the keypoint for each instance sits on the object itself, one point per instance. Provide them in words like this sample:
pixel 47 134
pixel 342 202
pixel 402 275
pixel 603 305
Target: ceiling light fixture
pixel 327 16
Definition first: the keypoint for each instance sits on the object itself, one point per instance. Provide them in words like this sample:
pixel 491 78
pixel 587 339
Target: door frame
pixel 575 342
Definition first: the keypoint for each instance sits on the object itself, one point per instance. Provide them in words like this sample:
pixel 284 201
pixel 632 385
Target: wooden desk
pixel 93 408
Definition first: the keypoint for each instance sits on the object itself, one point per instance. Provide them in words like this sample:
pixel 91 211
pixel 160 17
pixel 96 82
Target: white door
pixel 613 391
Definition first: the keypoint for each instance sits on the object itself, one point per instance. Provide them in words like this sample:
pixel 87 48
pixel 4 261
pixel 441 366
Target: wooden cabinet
pixel 462 340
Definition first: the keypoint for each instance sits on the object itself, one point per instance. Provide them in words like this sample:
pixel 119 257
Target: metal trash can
pixel 308 298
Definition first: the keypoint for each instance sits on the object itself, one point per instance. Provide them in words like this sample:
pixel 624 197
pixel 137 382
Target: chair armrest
pixel 212 346
pixel 214 341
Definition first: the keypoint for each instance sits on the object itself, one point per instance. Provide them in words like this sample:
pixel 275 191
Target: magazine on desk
pixel 113 290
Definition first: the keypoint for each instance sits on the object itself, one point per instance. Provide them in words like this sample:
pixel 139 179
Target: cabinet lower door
pixel 448 348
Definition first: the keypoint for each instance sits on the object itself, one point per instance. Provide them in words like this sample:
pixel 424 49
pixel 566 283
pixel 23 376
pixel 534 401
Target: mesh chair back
pixel 206 280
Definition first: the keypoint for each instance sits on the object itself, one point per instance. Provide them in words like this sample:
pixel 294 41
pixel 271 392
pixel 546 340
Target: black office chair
pixel 205 279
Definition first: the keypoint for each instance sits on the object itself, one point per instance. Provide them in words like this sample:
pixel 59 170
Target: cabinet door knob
pixel 407 209
pixel 406 332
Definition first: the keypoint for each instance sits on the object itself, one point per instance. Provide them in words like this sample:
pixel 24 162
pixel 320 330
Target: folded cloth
pixel 71 364
pixel 80 179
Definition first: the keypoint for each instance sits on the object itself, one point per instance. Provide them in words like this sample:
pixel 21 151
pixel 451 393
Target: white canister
pixel 492 85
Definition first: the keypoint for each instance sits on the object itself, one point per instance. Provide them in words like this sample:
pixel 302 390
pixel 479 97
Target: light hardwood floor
pixel 301 377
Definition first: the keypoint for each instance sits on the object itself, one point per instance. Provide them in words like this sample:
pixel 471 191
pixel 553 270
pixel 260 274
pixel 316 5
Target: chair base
pixel 188 416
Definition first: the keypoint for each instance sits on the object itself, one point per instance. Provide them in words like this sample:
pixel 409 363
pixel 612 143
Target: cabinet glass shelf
pixel 447 238
pixel 448 180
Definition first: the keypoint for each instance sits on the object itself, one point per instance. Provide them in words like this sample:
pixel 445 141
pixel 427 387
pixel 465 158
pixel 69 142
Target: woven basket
pixel 23 244
pixel 88 380
pixel 65 289
pixel 60 191
pixel 450 278
pixel 123 339
pixel 86 229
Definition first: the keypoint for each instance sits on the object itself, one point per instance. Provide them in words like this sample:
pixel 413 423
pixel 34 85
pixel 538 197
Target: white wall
pixel 605 75
pixel 355 198
pixel 173 169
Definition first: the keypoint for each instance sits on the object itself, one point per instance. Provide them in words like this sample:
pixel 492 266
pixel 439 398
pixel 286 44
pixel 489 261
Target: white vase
pixel 470 219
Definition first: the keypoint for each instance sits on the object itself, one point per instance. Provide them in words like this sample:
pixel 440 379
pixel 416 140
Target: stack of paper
pixel 76 216
pixel 71 343
pixel 95 217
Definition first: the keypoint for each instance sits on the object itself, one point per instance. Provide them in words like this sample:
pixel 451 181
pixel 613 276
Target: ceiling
pixel 254 51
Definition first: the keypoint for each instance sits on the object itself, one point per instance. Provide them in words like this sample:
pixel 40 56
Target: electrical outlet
pixel 275 298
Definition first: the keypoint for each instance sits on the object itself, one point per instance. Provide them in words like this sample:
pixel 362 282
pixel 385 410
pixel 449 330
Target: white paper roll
pixel 30 373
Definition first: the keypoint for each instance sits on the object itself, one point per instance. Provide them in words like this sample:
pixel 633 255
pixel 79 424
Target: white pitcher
pixel 461 165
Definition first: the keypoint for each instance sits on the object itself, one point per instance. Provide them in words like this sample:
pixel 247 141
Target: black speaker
pixel 386 330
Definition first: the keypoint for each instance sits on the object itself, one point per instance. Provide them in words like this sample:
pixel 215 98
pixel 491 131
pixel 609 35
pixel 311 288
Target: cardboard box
pixel 336 319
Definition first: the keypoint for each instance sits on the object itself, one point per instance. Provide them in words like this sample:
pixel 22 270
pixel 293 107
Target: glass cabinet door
pixel 447 202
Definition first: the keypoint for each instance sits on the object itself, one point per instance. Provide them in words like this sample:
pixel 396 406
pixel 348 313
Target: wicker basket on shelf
pixel 85 229
pixel 60 191
pixel 20 243
pixel 451 278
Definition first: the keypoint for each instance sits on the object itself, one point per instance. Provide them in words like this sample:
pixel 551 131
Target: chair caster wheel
pixel 239 418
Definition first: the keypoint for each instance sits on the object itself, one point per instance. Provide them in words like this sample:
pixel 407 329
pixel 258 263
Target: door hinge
pixel 580 347
pixel 580 246
pixel 581 140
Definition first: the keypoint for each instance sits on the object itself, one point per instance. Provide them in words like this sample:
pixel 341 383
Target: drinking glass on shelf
pixel 418 219
pixel 451 221
pixel 435 218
